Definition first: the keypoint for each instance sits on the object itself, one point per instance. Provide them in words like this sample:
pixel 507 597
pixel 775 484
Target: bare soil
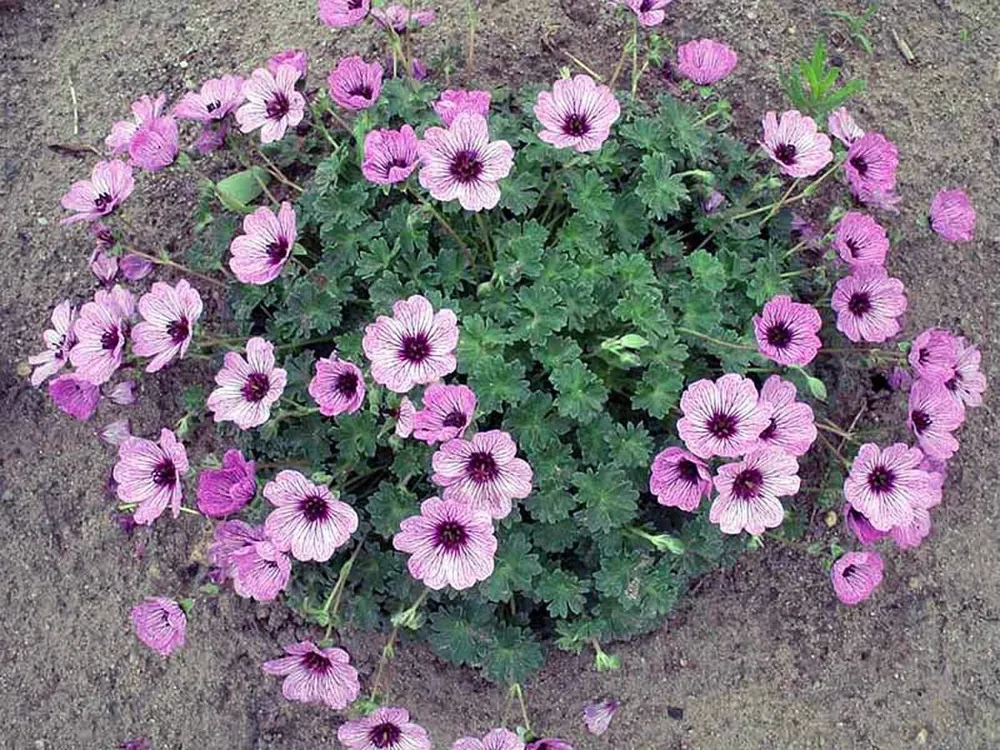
pixel 761 657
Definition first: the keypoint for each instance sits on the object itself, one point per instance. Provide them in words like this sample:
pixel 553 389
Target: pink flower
pixel 933 415
pixel 900 379
pixel 160 624
pixel 272 103
pixel 404 418
pixel 722 418
pixel 968 383
pixel 355 84
pixel 248 387
pixel 749 491
pixel 75 396
pixel 679 479
pixel 879 198
pixel 495 739
pixel 576 114
pixel 705 61
pixel 338 387
pixel 549 743
pixel 124 393
pixel 415 346
pixel 855 575
pixel 455 101
pixel 217 98
pixel 134 267
pixel 861 527
pixel 461 162
pixel 59 340
pixel 316 675
pixel 871 165
pixel 793 426
pixel 450 543
pixel 259 254
pixel 884 485
pixel 297 58
pixel 952 216
pixel 115 433
pixel 155 144
pixel 400 19
pixel 597 715
pixel 843 127
pixel 860 240
pixel 103 266
pixel 649 12
pixel 483 472
pixel 714 200
pixel 228 489
pixel 168 318
pixel 934 355
pixel 144 110
pixel 385 728
pixel 149 475
pixel 808 232
pixel 110 183
pixel 101 331
pixel 212 137
pixel 786 331
pixel 446 413
pixel 868 304
pixel 308 519
pixel 244 553
pixel 390 155
pixel 342 13
pixel 912 534
pixel 795 144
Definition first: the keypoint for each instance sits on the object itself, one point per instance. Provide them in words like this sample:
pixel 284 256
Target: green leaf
pixel 389 505
pixel 562 591
pixel 609 499
pixel 630 445
pixel 542 314
pixel 533 424
pixel 707 271
pixel 497 381
pixel 512 655
pixel 238 190
pixel 659 189
pixel 515 568
pixel 581 393
pixel 454 637
pixel 589 195
pixel 659 391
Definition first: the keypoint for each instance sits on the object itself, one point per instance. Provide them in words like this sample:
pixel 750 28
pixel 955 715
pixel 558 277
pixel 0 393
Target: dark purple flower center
pixel 921 420
pixel 110 339
pixel 102 201
pixel 785 153
pixel 860 164
pixel 314 508
pixel 455 419
pixel 164 474
pixel 482 468
pixel 466 166
pixel 212 106
pixel 576 125
pixel 688 471
pixel 769 431
pixel 923 356
pixel 315 663
pixel 747 484
pixel 256 387
pixel 178 330
pixel 277 251
pixel 385 735
pixel 415 348
pixel 953 383
pixel 361 89
pixel 881 480
pixel 646 6
pixel 779 335
pixel 451 535
pixel 347 384
pixel 278 106
pixel 849 571
pixel 859 303
pixel 722 426
pixel 353 4
pixel 852 247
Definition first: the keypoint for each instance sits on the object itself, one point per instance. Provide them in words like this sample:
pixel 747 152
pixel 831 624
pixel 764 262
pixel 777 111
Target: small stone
pixel 675 713
pixel 42 221
pixel 922 736
pixel 23 369
pixel 830 519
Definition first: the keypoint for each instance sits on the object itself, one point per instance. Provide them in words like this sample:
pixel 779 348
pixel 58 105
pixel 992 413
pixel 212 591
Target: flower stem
pixel 518 693
pixel 777 206
pixel 806 192
pixel 635 55
pixel 276 172
pixel 446 226
pixel 834 450
pixel 317 114
pixel 619 66
pixel 719 342
pixel 179 267
pixel 835 430
pixel 486 236
pixel 389 649
pixel 332 605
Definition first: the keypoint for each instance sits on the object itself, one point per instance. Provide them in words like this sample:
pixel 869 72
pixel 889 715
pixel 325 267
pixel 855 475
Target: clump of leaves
pixel 855 25
pixel 813 86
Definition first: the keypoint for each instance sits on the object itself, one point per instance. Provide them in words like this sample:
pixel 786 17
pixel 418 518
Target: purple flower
pixel 355 84
pixel 795 144
pixel 649 12
pixel 168 318
pixel 123 393
pixel 160 624
pixel 155 144
pixel 679 479
pixel 248 387
pixel 934 355
pixel 597 715
pixel 217 98
pixel 260 570
pixel 952 216
pixel 550 743
pixel 59 340
pixel 450 544
pixel 576 114
pixel 447 412
pixel 495 739
pixel 259 254
pixel 706 61
pixel 316 675
pixel 714 200
pixel 338 387
pixel 722 418
pixel 793 426
pixel 400 19
pixel 843 126
pixel 149 474
pixel 342 13
pixel 297 58
pixel 968 383
pixel 484 472
pixel 933 415
pixel 390 155
pixel 786 331
pixel 134 267
pixel 884 485
pixel 141 743
pixel 385 728
pixel 116 432
pixel 228 489
pixel 110 183
pixel 855 575
pixel 103 266
pixel 144 110
pixel 859 525
pixel 308 519
pixel 871 166
pixel 900 379
pixel 272 103
pixel 749 491
pixel 101 331
pixel 868 304
pixel 860 240
pixel 404 418
pixel 76 396
pixel 455 101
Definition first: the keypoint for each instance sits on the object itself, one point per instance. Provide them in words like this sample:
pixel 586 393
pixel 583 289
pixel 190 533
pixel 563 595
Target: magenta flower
pixel 272 103
pixel 793 426
pixel 168 318
pixel 450 543
pixel 749 491
pixel 355 84
pixel 483 472
pixel 103 266
pixel 597 715
pixel 386 728
pixel 259 254
pixel 722 418
pixel 880 199
pixel 900 379
pixel 679 479
pixel 400 19
pixel 795 144
pixel 227 490
pixel 140 743
pixel 968 383
pixel 855 575
pixel 308 519
pixel 123 393
pixel 952 216
pixel 248 387
pixel 59 340
pixel 134 267
pixel 933 415
pixel 455 101
pixel 446 413
pixel 390 155
pixel 217 98
pixel 110 183
pixel 576 114
pixel 338 387
pixel 649 12
pixel 786 331
pixel 706 61
pixel 115 433
pixel 149 475
pixel 871 166
pixel 934 355
pixel 884 485
pixel 712 203
pixel 868 304
pixel 404 418
pixel 76 396
pixel 155 144
pixel 297 58
pixel 259 570
pixel 806 231
pixel 912 534
pixel 144 110
pixel 843 127
pixel 160 624
pixel 316 675
pixel 860 240
pixel 495 739
pixel 461 162
pixel 415 346
pixel 859 525
pixel 549 743
pixel 101 331
pixel 343 13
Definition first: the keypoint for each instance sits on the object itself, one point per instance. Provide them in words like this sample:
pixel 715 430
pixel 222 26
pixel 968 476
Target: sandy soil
pixel 761 657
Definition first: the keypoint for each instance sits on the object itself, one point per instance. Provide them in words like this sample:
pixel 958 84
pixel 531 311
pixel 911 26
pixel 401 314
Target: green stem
pixel 486 236
pixel 800 272
pixel 389 649
pixel 777 206
pixel 635 55
pixel 516 691
pixel 180 267
pixel 835 430
pixel 446 226
pixel 719 342
pixel 806 192
pixel 619 66
pixel 317 114
pixel 332 605
pixel 275 170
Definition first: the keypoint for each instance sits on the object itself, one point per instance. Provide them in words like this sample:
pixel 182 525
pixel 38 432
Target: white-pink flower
pixel 338 387
pixel 248 387
pixel 149 475
pixel 316 675
pixel 795 144
pixel 447 411
pixel 216 99
pixel 705 61
pixel 259 254
pixel 793 426
pixel 483 472
pixel 722 418
pixel 101 331
pixel 843 127
pixel 577 113
pixel 885 485
pixel 272 103
pixel 749 491
pixel 455 101
pixel 168 317
pixel 110 183
pixel 59 340
pixel 308 519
